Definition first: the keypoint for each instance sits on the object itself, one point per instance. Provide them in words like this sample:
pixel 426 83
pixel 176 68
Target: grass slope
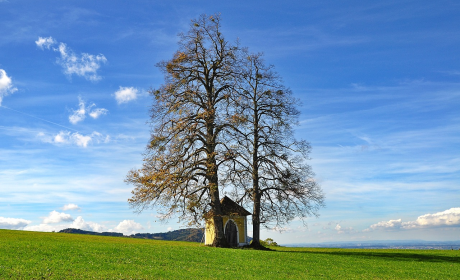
pixel 38 255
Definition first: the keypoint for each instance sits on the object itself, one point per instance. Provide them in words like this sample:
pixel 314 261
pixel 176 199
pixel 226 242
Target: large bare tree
pixel 180 170
pixel 269 169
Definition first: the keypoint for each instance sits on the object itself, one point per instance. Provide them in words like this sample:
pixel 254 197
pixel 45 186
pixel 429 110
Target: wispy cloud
pixel 342 230
pixel 126 94
pixel 281 229
pixel 79 114
pixel 84 65
pixel 45 43
pixel 97 112
pixel 74 138
pixel 6 85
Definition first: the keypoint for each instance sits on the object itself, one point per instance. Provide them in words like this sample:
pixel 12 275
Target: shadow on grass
pixel 391 256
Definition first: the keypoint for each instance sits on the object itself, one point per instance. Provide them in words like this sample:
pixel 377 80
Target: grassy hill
pixel 38 255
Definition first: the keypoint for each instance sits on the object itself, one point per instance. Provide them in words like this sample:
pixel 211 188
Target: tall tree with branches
pixel 269 169
pixel 180 169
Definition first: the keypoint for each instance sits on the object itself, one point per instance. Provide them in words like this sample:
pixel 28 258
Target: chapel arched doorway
pixel 231 233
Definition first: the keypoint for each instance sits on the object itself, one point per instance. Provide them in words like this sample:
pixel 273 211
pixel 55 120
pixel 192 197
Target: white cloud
pixel 47 42
pixel 170 229
pixel 54 223
pixel 450 217
pixel 80 113
pixel 128 227
pixel 6 85
pixel 62 137
pixel 75 138
pixel 70 206
pixel 55 217
pixel 97 112
pixel 391 224
pixel 341 229
pixel 125 94
pixel 79 223
pixel 83 65
pixel 12 223
pixel 45 227
pixel 281 229
pixel 82 140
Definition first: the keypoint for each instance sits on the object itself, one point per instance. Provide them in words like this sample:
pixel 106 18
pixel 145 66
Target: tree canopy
pixel 222 119
pixel 269 172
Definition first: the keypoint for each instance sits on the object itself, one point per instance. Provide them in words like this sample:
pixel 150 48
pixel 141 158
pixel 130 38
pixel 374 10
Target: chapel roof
pixel 231 208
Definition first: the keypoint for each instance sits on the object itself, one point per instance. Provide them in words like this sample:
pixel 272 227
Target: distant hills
pixel 384 244
pixel 79 231
pixel 188 234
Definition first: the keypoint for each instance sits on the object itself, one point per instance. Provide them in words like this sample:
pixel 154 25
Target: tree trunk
pixel 256 221
pixel 219 238
pixel 212 177
pixel 255 178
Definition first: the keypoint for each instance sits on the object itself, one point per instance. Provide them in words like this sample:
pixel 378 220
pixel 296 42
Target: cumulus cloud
pixel 55 217
pixel 391 224
pixel 79 114
pixel 45 43
pixel 74 138
pixel 80 223
pixel 6 85
pixel 12 223
pixel 125 94
pixel 128 227
pixel 70 206
pixel 447 218
pixel 84 65
pixel 46 227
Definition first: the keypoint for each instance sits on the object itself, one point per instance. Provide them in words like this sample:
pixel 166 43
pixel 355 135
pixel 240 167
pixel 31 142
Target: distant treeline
pixel 79 231
pixel 188 234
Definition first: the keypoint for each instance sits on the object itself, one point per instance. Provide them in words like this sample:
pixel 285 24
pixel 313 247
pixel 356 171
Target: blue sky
pixel 379 85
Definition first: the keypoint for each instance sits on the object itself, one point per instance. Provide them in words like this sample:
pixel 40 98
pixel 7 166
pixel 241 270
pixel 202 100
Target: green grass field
pixel 37 255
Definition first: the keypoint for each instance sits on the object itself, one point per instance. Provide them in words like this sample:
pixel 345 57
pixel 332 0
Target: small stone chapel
pixel 235 224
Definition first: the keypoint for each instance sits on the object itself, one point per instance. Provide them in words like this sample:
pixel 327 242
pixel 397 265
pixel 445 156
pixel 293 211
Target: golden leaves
pixel 238 119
